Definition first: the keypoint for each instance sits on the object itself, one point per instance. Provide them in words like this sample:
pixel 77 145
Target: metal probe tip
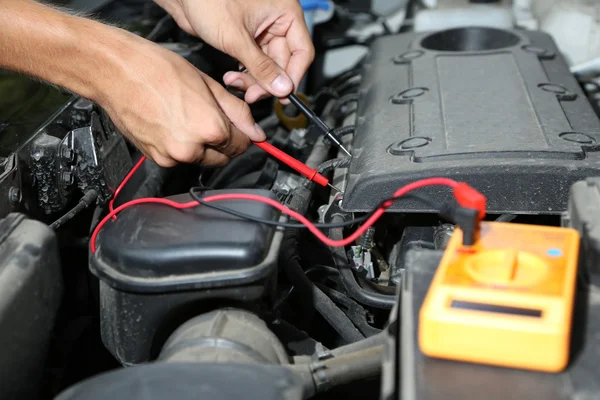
pixel 334 188
pixel 338 144
pixel 345 151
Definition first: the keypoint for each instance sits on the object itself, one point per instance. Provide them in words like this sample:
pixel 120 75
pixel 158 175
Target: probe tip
pixel 334 188
pixel 345 151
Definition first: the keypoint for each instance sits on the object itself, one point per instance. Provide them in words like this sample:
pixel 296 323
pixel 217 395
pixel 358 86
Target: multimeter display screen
pixel 494 308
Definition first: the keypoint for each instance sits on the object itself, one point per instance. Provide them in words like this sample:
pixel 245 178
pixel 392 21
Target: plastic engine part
pixel 157 265
pixel 223 336
pixel 584 215
pixel 183 381
pixel 31 289
pixel 497 109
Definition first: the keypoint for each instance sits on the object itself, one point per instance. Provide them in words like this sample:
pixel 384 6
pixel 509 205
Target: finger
pixel 238 80
pixel 302 51
pixel 214 158
pixel 161 160
pixel 238 113
pixel 264 69
pixel 255 93
pixel 238 143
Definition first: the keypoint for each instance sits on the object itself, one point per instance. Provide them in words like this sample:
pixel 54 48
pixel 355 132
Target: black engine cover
pixel 497 109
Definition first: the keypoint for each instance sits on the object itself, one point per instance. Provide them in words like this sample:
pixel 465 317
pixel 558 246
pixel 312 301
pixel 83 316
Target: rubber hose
pixel 323 375
pixel 353 366
pixel 371 341
pixel 342 101
pixel 88 198
pixel 345 77
pixel 247 181
pixel 351 85
pixel 321 302
pixel 334 164
pixel 300 201
pixel 319 153
pixel 365 297
pixel 344 130
pixel 269 123
pixel 247 162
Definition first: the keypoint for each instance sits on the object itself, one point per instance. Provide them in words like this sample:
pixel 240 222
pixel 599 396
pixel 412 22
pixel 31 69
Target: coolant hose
pixel 372 341
pixel 353 366
pixel 253 159
pixel 289 258
pixel 320 376
pixel 365 297
pixel 247 181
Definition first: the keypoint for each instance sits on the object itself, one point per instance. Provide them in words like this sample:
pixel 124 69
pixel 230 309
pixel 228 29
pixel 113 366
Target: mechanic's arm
pixel 169 109
pixel 269 37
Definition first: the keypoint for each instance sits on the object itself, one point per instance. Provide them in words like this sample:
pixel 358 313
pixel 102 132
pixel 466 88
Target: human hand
pixel 174 113
pixel 269 37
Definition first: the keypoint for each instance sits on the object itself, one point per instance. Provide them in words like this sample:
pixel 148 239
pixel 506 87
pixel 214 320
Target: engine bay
pixel 123 279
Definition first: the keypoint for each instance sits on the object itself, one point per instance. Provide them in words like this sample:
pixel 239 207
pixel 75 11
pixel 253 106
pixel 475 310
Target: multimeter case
pixel 159 266
pixel 408 374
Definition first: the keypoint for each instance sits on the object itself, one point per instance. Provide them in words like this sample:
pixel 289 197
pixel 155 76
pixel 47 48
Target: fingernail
pixel 238 84
pixel 282 84
pixel 260 134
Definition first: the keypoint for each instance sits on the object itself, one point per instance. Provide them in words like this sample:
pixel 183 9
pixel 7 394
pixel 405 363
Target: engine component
pixel 101 158
pixel 407 373
pixel 155 262
pixel 75 149
pixel 498 109
pixel 584 215
pixel 361 260
pixel 30 293
pixel 354 289
pixel 412 237
pixel 165 381
pixel 224 336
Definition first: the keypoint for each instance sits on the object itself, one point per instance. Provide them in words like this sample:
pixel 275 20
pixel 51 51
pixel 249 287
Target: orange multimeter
pixel 506 301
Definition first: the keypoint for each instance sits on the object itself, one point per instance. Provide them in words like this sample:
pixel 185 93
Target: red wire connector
pixel 468 197
pixel 471 212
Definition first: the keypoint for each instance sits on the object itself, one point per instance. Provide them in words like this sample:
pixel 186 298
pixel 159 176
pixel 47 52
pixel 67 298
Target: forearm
pixel 81 55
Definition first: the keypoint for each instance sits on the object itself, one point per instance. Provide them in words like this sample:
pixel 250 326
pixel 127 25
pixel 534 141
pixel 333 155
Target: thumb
pixel 267 73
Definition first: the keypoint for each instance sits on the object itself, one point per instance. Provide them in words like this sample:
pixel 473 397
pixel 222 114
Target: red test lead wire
pixel 308 172
pixel 124 182
pixel 320 235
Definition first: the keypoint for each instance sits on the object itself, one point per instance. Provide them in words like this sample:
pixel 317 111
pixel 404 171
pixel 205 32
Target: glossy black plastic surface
pixel 161 247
